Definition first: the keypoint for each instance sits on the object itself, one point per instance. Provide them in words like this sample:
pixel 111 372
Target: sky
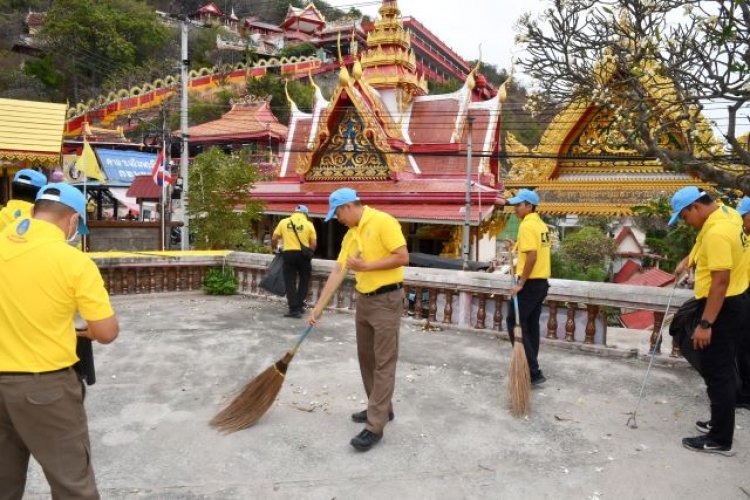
pixel 463 24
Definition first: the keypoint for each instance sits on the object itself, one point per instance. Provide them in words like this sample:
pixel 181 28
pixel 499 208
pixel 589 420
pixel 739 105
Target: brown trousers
pixel 378 320
pixel 43 415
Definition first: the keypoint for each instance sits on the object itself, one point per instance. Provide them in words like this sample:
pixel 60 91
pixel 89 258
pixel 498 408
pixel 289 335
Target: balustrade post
pixel 658 320
pixel 253 281
pixel 353 297
pixel 591 310
pixel 481 312
pixel 244 279
pixel 433 305
pixel 552 319
pixel 418 303
pixel 448 311
pixel 340 297
pixel 497 318
pixel 570 323
pixel 151 280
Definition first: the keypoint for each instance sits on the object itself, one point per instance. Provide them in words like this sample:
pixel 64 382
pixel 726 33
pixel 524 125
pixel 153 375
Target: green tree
pixel 90 39
pixel 220 208
pixel 585 255
pixel 272 85
pixel 298 49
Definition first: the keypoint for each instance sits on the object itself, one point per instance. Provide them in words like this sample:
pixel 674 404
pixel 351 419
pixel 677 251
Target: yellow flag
pixel 88 164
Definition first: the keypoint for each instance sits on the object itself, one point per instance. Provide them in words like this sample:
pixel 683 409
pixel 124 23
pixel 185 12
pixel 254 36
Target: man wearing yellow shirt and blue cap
pixel 26 185
pixel 532 274
pixel 721 282
pixel 45 281
pixel 743 352
pixel 299 241
pixel 375 249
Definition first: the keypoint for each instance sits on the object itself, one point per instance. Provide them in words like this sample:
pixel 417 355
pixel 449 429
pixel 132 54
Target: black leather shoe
pixel 293 314
pixel 361 416
pixel 365 440
pixel 538 380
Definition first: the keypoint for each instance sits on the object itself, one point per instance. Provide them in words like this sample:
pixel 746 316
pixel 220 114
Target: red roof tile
pixel 243 121
pixel 651 277
pixel 143 186
pixel 627 271
pixel 639 320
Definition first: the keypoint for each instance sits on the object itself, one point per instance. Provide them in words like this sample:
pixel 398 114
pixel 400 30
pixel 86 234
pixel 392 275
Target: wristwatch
pixel 705 324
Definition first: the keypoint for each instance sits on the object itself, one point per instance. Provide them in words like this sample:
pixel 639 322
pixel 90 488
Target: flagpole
pixel 163 190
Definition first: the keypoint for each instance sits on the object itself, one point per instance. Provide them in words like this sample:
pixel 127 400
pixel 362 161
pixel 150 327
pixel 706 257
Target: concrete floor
pixel 180 356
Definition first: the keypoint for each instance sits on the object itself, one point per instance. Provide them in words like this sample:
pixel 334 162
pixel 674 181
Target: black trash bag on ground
pixel 683 325
pixel 273 281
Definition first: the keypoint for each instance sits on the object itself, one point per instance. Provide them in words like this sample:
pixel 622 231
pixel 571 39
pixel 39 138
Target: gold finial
pixel 502 93
pixel 338 46
pixel 312 80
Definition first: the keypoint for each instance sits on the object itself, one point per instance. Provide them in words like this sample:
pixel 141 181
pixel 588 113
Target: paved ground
pixel 180 355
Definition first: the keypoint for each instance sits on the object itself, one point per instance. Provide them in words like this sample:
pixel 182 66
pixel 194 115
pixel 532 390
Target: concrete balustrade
pixel 574 314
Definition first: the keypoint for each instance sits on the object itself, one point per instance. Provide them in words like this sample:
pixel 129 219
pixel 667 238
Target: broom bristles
pixel 254 399
pixel 519 383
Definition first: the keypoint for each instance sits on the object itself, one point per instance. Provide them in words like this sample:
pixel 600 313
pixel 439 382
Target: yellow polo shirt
pixel 721 245
pixel 305 230
pixel 15 209
pixel 44 281
pixel 376 236
pixel 533 234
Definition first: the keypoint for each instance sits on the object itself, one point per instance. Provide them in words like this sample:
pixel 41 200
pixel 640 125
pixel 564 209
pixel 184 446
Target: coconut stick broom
pixel 257 396
pixel 519 382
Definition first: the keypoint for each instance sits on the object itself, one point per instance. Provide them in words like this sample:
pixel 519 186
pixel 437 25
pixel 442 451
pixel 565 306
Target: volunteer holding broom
pixel 375 249
pixel 533 271
pixel 721 279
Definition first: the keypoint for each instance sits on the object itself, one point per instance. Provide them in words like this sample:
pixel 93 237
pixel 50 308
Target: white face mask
pixel 72 238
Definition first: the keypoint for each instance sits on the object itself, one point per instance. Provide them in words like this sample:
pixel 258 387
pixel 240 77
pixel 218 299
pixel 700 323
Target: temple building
pixel 579 167
pixel 31 136
pixel 404 151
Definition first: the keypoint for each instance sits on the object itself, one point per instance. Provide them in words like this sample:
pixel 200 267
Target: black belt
pixel 13 374
pixel 384 289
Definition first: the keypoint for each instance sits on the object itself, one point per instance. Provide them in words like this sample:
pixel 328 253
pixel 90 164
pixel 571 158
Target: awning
pixel 145 188
pixel 449 214
pixel 31 133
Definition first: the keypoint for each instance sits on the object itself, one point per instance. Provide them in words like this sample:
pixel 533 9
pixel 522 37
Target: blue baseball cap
pixel 302 208
pixel 68 196
pixel 526 195
pixel 744 206
pixel 30 177
pixel 340 197
pixel 683 199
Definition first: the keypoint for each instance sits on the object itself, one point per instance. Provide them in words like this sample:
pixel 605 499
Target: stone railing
pixel 575 313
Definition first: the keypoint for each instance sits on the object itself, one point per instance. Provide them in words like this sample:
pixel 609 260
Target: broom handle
pixel 513 282
pixel 326 300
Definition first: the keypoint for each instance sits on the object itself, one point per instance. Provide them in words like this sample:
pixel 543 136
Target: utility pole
pixel 185 243
pixel 467 208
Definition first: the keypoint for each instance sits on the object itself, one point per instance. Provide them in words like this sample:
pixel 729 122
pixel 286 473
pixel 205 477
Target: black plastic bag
pixel 85 365
pixel 273 281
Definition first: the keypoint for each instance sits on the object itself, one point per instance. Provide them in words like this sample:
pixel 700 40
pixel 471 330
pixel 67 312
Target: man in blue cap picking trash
pixel 721 281
pixel 375 249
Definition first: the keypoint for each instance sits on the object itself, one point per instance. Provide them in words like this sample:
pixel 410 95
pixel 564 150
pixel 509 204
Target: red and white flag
pixel 159 173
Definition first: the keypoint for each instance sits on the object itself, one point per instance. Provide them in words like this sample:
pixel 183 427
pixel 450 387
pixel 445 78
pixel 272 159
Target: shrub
pixel 220 281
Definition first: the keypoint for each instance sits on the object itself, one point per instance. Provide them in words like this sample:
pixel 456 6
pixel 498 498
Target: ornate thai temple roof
pixel 577 170
pixel 30 133
pixel 404 152
pixel 248 119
